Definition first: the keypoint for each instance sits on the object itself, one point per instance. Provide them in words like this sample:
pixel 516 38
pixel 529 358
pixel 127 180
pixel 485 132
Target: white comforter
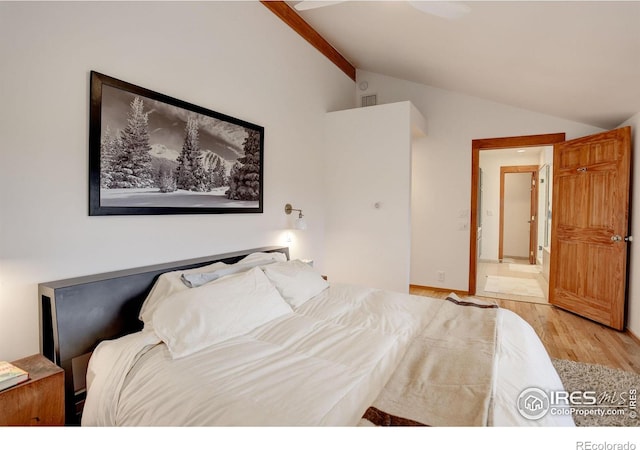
pixel 322 365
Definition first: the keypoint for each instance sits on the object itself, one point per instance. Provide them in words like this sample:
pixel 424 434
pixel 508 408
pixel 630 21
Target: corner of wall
pixel 633 301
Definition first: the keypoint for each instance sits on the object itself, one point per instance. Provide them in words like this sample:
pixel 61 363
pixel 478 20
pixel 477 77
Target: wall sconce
pixel 301 224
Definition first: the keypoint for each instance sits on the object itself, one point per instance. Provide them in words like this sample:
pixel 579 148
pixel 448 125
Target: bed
pixel 252 338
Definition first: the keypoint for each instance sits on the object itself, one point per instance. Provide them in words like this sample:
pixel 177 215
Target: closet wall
pixel 368 154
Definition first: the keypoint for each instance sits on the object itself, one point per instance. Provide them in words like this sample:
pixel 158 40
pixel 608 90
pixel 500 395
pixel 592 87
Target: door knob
pixel 616 238
pixel 628 239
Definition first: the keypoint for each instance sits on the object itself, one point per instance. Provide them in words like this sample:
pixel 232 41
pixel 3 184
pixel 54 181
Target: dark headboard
pixel 76 314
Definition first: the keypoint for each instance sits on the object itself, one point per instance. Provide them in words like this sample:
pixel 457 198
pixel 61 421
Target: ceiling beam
pixel 297 23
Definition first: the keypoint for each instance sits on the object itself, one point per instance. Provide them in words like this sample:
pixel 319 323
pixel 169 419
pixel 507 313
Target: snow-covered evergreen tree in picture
pixel 234 177
pixel 217 174
pixel 221 173
pixel 110 152
pixel 191 174
pixel 166 178
pixel 107 157
pixel 131 166
pixel 244 180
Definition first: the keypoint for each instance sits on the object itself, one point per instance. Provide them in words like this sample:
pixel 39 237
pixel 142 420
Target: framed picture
pixel 153 154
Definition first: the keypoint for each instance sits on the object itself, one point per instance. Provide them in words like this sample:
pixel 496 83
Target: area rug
pixel 513 286
pixel 612 387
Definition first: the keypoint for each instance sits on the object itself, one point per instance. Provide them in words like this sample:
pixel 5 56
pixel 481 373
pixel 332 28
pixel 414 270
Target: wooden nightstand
pixel 38 401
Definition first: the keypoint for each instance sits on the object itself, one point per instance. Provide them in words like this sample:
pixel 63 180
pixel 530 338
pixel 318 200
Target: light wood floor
pixel 568 336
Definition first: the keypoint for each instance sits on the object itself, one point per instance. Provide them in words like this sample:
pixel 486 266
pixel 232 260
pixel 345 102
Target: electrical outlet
pixel 440 275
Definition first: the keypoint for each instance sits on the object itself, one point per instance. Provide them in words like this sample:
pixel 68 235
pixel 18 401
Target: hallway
pixel 513 279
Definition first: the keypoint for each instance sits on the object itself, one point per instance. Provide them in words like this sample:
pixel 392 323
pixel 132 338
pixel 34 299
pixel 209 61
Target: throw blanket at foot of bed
pixel 445 377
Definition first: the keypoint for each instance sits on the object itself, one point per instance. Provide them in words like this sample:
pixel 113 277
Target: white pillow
pixel 170 282
pixel 167 284
pixel 296 281
pixel 194 319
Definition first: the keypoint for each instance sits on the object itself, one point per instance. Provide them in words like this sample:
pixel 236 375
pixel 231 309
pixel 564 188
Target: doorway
pixel 483 214
pixel 590 225
pixel 507 266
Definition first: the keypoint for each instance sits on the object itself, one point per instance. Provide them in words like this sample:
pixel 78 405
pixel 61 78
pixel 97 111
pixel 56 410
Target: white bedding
pixel 323 364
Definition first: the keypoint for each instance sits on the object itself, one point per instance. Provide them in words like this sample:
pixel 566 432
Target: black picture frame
pixel 150 153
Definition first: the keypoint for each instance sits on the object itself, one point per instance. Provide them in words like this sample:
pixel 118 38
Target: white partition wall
pixel 368 189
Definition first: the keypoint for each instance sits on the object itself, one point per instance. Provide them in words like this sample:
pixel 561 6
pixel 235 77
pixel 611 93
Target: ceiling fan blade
pixel 447 10
pixel 305 5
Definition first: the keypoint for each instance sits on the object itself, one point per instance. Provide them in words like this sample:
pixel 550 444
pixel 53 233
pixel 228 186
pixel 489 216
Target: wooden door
pixel 533 209
pixel 590 221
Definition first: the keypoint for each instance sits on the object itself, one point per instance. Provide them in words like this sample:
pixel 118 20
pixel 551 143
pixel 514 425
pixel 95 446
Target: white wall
pixel 237 58
pixel 368 192
pixel 440 241
pixel 490 162
pixel 633 311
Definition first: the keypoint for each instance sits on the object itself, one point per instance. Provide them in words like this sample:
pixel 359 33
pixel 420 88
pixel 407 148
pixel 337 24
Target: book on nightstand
pixel 11 375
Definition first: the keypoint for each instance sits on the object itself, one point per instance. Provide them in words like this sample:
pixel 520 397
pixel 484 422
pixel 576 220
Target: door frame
pixel 478 145
pixel 533 208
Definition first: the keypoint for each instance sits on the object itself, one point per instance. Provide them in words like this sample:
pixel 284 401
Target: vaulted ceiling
pixel 579 60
